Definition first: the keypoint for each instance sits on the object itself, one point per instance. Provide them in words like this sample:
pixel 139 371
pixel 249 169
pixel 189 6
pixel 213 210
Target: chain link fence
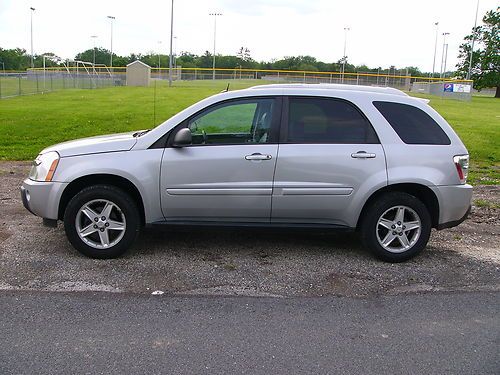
pixel 399 79
pixel 40 80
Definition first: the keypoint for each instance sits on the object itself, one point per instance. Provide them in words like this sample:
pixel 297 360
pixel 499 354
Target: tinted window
pixel 413 125
pixel 322 120
pixel 242 121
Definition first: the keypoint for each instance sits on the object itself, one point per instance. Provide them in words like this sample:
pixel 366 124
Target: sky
pixel 382 32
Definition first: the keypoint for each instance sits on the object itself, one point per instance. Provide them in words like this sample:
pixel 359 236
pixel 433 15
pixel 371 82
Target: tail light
pixel 462 165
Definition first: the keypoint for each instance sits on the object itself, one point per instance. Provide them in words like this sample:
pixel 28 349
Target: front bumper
pixel 42 198
pixel 454 204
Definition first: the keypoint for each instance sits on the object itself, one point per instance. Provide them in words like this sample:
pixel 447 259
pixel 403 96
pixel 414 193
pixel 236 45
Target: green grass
pixel 483 203
pixel 30 123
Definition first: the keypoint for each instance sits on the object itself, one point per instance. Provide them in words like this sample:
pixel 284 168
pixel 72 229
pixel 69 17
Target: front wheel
pixel 101 221
pixel 396 227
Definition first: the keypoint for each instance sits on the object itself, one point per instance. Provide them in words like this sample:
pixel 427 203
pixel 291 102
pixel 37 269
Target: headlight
pixel 44 166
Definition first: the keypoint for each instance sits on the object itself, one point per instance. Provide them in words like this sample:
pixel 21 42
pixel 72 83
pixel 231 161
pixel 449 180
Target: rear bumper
pixel 42 198
pixel 451 224
pixel 454 204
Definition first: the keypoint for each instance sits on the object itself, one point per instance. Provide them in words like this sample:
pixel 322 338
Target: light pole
pixel 215 35
pixel 435 49
pixel 175 52
pixel 159 61
pixel 472 44
pixel 443 55
pixel 344 58
pixel 93 38
pixel 31 22
pixel 171 40
pixel 445 59
pixel 111 54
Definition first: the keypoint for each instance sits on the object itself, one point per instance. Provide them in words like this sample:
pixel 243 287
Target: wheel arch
pixel 422 192
pixel 82 182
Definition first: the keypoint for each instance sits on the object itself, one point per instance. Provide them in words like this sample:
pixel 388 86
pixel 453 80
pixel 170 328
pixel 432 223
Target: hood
pixel 95 145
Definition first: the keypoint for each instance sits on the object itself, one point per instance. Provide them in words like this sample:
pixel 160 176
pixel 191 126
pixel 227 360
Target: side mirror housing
pixel 182 138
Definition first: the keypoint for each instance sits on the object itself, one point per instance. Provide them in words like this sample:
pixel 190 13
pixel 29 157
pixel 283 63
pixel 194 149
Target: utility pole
pixel 215 35
pixel 435 49
pixel 111 54
pixel 472 44
pixel 171 41
pixel 32 62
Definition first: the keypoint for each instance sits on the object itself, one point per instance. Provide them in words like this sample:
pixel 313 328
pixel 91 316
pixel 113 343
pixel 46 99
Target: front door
pixel 227 173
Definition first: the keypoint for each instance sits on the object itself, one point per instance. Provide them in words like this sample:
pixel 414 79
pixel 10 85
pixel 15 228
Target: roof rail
pixel 333 86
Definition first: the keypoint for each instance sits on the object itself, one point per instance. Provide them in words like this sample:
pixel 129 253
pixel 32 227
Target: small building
pixel 138 74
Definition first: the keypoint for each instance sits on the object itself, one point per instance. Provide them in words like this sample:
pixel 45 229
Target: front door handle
pixel 258 156
pixel 362 155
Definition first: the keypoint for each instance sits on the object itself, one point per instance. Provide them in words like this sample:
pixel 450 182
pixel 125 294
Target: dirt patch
pixel 247 261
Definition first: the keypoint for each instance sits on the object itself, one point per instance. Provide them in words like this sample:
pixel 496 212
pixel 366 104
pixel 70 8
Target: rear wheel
pixel 396 227
pixel 101 221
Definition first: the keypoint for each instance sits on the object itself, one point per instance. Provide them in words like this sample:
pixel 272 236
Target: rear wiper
pixel 141 133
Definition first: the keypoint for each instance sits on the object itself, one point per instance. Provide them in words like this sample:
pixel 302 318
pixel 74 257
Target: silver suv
pixel 330 156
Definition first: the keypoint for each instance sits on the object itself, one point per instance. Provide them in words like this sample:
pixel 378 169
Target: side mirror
pixel 182 138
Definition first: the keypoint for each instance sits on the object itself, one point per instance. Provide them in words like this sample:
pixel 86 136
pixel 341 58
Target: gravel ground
pixel 245 262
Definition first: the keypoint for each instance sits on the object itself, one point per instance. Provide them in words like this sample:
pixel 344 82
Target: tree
pixel 51 60
pixel 101 56
pixel 204 61
pixel 186 60
pixel 485 67
pixel 14 59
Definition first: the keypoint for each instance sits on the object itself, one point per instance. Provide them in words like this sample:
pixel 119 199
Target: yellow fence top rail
pixel 307 73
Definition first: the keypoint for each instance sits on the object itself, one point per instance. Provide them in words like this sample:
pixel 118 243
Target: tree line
pixel 19 60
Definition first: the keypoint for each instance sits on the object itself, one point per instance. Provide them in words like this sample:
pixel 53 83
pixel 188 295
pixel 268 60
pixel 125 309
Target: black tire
pixel 127 208
pixel 370 228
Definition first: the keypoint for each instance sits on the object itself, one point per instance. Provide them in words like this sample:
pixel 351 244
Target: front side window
pixel 412 125
pixel 324 120
pixel 236 122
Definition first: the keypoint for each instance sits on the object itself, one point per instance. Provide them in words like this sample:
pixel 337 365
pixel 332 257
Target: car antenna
pixel 226 89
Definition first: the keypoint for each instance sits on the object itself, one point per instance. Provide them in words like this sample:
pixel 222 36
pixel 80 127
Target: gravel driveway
pixel 245 262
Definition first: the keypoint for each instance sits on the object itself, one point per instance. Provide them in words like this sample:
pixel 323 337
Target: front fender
pixel 141 168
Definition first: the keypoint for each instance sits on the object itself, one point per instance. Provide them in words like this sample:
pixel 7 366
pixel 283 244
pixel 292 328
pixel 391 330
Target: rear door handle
pixel 258 156
pixel 362 155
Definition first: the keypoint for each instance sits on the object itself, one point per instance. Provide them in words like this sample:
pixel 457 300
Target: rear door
pixel 227 172
pixel 329 160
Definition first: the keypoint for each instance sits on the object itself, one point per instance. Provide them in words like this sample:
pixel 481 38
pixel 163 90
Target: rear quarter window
pixel 412 125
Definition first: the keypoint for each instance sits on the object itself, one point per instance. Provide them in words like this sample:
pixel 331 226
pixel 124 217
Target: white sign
pixel 458 87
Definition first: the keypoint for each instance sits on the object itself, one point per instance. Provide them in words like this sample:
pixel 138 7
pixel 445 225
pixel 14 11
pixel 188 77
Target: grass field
pixel 30 123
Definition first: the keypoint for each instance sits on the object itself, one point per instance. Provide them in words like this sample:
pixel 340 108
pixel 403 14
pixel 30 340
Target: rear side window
pixel 324 120
pixel 413 125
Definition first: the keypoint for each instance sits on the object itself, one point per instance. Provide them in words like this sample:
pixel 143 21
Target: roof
pixel 138 62
pixel 333 87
